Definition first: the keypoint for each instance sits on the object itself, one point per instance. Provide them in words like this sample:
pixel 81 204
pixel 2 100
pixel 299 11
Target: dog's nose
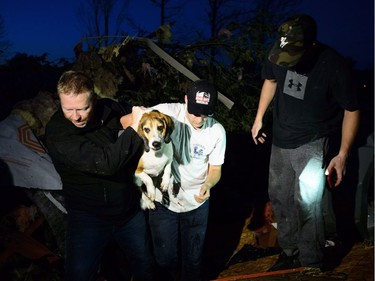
pixel 156 144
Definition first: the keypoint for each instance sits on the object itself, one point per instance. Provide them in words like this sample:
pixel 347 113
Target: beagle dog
pixel 155 128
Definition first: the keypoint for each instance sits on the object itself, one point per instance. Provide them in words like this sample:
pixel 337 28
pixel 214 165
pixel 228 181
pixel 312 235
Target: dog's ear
pixel 141 133
pixel 145 140
pixel 145 144
pixel 141 124
pixel 169 128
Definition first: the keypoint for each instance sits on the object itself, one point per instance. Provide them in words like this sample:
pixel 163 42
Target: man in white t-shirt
pixel 179 222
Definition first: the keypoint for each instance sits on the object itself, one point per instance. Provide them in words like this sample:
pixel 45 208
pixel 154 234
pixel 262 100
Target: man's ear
pixel 186 100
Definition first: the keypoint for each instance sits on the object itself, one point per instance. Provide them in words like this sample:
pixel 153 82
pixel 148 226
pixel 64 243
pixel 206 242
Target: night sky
pixel 53 27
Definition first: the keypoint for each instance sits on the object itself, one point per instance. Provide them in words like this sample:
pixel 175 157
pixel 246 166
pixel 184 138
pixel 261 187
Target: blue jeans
pixel 87 236
pixel 178 240
pixel 296 185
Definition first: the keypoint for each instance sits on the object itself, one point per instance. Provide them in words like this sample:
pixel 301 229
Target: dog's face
pixel 155 128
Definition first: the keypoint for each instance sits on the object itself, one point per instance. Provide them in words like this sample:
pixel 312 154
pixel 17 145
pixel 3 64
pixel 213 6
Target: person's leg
pixel 133 238
pixel 281 188
pixel 86 238
pixel 164 226
pixel 307 161
pixel 193 227
pixel 113 265
pixel 329 216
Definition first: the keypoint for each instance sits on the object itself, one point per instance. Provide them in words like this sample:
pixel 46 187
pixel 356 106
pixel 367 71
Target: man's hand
pixel 132 119
pixel 203 195
pixel 257 133
pixel 338 166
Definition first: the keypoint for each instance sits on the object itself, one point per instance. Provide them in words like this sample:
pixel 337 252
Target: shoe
pixel 285 262
pixel 329 243
pixel 312 271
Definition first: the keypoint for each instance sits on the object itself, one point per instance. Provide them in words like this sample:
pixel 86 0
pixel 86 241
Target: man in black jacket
pixel 95 148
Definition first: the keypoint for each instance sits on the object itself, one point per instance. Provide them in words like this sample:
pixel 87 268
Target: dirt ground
pixel 344 262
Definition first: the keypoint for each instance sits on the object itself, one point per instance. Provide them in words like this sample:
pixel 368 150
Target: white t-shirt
pixel 194 150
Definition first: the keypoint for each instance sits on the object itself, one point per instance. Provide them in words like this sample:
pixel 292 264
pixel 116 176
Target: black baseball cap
pixel 201 98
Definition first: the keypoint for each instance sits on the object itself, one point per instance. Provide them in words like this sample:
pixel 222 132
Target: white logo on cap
pixel 202 98
pixel 283 42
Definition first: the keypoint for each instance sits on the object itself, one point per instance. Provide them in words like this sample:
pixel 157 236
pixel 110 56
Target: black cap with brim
pixel 198 109
pixel 201 98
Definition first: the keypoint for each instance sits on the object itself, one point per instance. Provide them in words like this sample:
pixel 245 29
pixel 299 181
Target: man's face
pixel 197 121
pixel 77 108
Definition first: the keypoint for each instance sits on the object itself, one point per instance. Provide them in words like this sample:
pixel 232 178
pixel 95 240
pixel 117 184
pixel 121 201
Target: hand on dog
pixel 203 195
pixel 132 119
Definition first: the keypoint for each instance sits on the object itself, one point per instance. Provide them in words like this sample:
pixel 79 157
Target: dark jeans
pixel 178 240
pixel 87 236
pixel 296 185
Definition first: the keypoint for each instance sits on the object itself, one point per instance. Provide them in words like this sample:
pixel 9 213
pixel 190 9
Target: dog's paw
pixel 164 187
pixel 146 203
pixel 165 183
pixel 151 195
